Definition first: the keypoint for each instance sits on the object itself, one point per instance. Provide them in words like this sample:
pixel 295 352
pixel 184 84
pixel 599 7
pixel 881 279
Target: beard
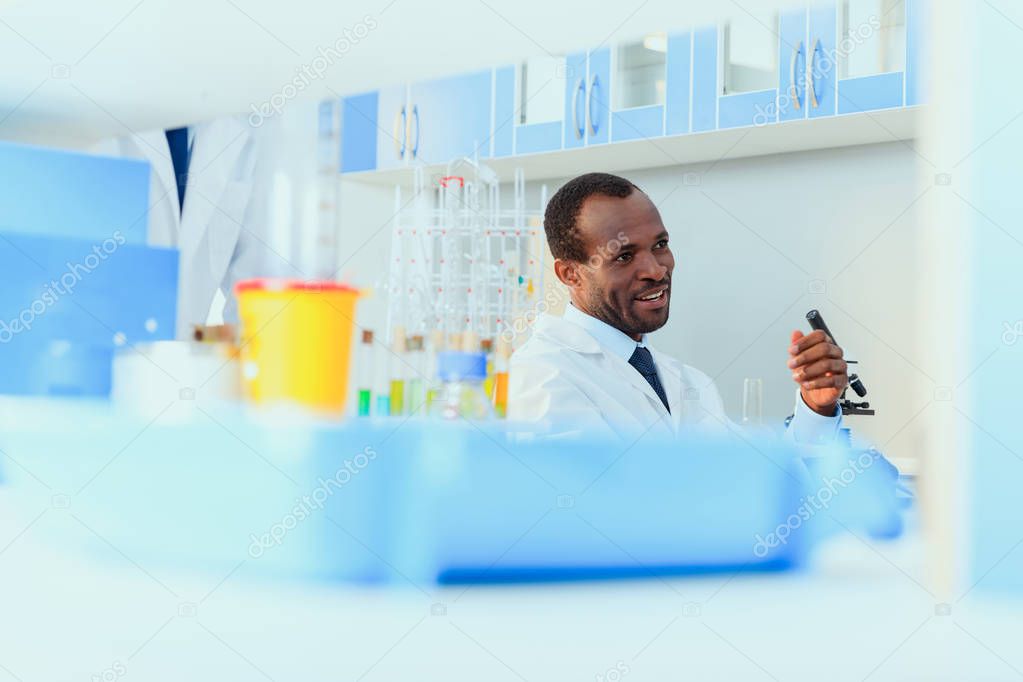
pixel 619 310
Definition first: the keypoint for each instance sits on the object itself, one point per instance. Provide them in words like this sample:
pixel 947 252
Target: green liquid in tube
pixel 364 402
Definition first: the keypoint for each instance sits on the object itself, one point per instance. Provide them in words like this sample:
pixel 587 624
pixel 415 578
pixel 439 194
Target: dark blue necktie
pixel 644 364
pixel 177 140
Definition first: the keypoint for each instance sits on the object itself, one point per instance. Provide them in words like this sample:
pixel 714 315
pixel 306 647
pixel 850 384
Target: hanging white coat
pixel 218 234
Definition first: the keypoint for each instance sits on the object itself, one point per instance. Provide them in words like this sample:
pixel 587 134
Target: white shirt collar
pixel 614 340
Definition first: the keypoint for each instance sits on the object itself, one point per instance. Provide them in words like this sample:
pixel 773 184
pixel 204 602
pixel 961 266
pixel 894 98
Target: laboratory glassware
pixel 752 401
pixel 367 363
pixel 398 365
pixel 461 393
pixel 415 388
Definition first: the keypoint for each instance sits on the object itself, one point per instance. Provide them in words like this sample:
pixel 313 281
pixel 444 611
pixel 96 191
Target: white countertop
pixel 860 612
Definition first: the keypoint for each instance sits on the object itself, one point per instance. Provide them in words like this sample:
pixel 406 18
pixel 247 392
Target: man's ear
pixel 568 272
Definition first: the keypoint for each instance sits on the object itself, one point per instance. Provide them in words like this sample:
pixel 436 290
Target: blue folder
pixel 61 193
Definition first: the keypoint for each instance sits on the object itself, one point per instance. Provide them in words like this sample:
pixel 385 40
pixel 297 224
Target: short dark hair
pixel 559 220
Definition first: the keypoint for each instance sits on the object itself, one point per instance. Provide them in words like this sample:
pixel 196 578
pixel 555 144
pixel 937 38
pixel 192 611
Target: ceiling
pixel 73 72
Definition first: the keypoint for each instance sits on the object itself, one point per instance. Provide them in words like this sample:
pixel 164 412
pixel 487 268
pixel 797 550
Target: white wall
pixel 752 241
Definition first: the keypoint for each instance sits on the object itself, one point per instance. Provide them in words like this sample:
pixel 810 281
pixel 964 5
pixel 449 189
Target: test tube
pixel 752 401
pixel 487 347
pixel 436 346
pixel 500 389
pixel 416 388
pixel 381 380
pixel 365 373
pixel 397 361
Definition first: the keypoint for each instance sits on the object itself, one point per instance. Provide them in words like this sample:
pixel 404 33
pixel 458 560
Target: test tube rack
pixel 460 263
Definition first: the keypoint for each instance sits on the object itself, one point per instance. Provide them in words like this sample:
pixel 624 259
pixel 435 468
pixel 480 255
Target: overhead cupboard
pixel 825 59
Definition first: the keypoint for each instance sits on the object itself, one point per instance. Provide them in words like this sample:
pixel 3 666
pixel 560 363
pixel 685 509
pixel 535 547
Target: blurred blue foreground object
pixel 66 194
pixel 420 501
pixel 67 303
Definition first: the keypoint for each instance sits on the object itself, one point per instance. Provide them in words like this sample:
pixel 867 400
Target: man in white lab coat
pixel 202 201
pixel 591 370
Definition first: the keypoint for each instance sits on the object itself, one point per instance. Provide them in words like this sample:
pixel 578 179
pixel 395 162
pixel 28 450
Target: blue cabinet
pixel 821 77
pixel 870 93
pixel 916 34
pixel 359 132
pixel 750 68
pixel 747 109
pixel 575 101
pixel 821 59
pixel 873 57
pixel 639 87
pixel 808 62
pixel 431 122
pixel 449 118
pixel 598 96
pixel 392 128
pixel 705 79
pixel 504 112
pixel 676 86
pixel 792 52
pixel 528 106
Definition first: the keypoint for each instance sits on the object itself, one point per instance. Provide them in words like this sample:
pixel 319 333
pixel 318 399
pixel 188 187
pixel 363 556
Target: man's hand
pixel 817 366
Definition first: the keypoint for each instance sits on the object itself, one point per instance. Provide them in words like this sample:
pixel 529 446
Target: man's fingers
pixel 835 366
pixel 836 381
pixel 814 353
pixel 804 342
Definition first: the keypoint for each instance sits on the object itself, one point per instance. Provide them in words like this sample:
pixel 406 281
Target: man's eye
pixel 662 244
pixel 623 258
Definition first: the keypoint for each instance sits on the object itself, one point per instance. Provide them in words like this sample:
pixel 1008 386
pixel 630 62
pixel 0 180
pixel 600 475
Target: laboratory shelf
pixel 868 127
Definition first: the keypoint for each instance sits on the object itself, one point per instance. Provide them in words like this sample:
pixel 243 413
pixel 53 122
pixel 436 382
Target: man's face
pixel 627 280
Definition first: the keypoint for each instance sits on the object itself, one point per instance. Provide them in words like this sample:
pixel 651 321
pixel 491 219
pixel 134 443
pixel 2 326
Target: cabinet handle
pixel 594 123
pixel 400 120
pixel 811 85
pixel 792 75
pixel 415 145
pixel 580 88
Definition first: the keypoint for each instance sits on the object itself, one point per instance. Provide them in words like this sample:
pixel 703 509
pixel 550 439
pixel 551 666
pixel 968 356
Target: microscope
pixel 848 405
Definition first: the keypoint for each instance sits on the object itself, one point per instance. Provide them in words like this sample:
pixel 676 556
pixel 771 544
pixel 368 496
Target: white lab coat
pixel 565 380
pixel 221 231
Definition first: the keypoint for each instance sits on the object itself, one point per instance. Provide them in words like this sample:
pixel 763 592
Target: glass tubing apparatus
pixel 464 275
pixel 463 269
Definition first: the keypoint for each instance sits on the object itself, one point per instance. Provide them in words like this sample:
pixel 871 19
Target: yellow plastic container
pixel 296 341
